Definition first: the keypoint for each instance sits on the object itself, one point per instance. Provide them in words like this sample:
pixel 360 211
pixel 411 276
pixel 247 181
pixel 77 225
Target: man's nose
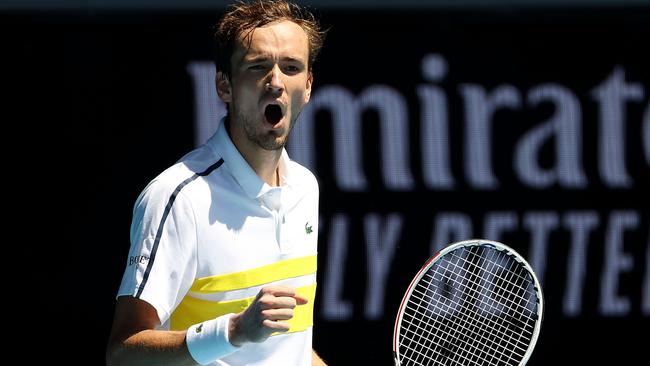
pixel 274 83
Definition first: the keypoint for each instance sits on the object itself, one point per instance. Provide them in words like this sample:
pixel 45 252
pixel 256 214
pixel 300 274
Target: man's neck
pixel 264 162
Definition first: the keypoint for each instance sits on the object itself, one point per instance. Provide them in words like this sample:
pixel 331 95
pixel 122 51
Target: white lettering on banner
pixel 334 306
pixel 434 128
pixel 566 128
pixel 618 104
pixel 497 223
pixel 450 227
pixel 616 261
pixel 581 224
pixel 646 134
pixel 480 107
pixel 646 287
pixel 612 96
pixel 346 110
pixel 540 224
pixel 208 110
pixel 382 236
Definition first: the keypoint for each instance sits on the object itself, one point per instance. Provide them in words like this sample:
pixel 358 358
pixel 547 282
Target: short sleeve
pixel 161 265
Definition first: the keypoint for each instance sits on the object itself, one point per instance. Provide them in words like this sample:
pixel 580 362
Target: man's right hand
pixel 267 314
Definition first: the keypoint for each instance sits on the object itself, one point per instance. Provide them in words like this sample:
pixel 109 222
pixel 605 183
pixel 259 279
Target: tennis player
pixel 222 264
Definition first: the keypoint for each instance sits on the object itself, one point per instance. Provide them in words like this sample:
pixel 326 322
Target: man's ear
pixel 310 81
pixel 223 87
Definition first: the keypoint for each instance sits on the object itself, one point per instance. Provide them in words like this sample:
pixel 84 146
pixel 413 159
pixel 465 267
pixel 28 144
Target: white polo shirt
pixel 207 234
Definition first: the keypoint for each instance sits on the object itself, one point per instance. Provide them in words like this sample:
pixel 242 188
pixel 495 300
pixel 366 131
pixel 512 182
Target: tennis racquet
pixel 476 302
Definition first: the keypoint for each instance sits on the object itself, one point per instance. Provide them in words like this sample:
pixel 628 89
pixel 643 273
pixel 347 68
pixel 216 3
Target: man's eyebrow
pixel 263 58
pixel 254 59
pixel 292 59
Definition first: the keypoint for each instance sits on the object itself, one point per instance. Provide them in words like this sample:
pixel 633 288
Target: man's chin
pixel 271 143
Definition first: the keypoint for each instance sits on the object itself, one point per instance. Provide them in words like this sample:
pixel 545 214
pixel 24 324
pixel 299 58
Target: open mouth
pixel 273 113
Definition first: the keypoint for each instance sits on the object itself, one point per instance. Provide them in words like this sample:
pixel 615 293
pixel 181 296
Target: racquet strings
pixel 474 306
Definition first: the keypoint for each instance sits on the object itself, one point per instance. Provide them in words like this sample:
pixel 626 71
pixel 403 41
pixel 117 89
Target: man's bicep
pixel 162 261
pixel 132 315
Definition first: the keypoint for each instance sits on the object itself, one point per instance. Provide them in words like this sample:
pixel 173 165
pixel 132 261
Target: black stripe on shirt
pixel 168 208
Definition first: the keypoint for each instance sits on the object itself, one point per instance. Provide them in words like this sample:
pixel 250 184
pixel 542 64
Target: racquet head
pixel 476 302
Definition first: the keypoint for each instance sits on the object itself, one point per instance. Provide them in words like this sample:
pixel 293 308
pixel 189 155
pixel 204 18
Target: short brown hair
pixel 243 17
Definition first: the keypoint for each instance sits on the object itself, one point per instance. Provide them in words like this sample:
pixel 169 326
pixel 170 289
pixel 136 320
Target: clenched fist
pixel 267 314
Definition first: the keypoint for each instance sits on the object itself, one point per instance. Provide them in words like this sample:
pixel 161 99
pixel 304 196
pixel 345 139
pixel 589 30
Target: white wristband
pixel 208 341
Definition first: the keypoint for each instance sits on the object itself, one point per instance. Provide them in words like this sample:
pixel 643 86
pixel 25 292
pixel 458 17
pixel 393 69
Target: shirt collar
pixel 250 182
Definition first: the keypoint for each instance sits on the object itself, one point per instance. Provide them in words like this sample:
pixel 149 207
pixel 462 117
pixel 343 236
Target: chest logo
pixel 308 229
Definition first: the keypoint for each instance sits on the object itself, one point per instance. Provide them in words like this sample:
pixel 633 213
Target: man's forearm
pixel 157 347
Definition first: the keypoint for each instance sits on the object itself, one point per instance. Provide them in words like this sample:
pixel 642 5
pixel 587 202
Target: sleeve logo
pixel 138 259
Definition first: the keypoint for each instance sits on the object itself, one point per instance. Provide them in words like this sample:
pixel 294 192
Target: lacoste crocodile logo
pixel 199 328
pixel 308 229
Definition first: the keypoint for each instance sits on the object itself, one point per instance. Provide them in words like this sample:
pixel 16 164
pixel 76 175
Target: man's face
pixel 270 83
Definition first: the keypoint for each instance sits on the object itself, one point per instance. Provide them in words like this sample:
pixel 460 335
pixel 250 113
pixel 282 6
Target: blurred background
pixel 526 122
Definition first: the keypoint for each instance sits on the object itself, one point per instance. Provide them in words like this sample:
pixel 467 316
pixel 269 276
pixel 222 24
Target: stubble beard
pixel 267 140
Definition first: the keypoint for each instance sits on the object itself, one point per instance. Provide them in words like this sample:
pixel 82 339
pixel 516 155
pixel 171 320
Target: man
pixel 222 262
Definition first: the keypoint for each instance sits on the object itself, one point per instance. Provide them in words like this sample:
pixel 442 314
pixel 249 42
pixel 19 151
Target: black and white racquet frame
pixel 476 302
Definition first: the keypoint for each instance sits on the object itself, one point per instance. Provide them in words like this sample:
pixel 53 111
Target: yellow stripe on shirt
pixel 192 310
pixel 254 277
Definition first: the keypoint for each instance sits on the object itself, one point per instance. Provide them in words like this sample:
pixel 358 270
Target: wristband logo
pixel 199 328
